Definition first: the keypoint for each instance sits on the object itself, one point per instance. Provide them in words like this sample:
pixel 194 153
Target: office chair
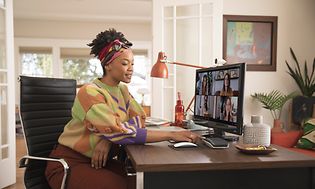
pixel 45 108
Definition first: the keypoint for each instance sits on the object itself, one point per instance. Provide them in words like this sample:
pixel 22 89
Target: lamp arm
pixel 182 64
pixel 190 103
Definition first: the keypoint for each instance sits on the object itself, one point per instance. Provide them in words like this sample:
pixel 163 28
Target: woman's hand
pixel 99 156
pixel 184 136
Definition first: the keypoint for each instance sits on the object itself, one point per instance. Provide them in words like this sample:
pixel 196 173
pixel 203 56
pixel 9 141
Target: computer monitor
pixel 219 96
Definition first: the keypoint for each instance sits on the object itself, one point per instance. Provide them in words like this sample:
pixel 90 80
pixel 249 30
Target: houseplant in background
pixel 302 105
pixel 274 101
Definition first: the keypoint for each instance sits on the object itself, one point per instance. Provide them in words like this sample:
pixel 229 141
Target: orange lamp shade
pixel 159 69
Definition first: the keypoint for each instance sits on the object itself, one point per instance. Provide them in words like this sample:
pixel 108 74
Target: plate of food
pixel 255 149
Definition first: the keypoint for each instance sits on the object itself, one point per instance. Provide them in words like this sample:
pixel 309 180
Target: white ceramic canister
pixel 257 132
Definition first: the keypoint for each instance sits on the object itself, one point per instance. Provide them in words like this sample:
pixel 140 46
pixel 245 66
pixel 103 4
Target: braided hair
pixel 105 38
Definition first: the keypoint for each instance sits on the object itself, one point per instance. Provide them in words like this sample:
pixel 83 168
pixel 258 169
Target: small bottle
pixel 179 112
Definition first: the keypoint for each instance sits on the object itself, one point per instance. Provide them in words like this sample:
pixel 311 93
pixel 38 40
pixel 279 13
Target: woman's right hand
pixel 99 156
pixel 187 136
pixel 178 136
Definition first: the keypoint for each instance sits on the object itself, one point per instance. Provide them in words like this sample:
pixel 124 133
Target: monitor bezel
pixel 226 126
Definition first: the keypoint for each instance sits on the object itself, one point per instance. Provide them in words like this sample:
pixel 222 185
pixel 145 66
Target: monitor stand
pixel 221 134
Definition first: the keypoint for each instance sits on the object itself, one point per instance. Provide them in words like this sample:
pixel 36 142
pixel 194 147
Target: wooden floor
pixel 20 151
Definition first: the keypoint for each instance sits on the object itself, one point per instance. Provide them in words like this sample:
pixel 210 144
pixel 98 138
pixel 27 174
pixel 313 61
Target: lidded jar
pixel 257 132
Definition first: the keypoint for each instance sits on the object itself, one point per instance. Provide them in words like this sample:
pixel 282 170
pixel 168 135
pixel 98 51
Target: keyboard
pixel 215 142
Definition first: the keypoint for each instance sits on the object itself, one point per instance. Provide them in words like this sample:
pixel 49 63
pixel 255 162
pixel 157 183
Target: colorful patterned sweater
pixel 103 112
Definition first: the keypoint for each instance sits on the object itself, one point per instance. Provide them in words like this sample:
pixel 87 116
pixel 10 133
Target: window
pixel 77 64
pixel 72 60
pixel 187 31
pixel 140 82
pixel 84 70
pixel 36 61
pixel 2 4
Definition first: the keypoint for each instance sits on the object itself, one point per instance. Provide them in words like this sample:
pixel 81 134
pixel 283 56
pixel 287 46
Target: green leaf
pixel 273 101
pixel 304 81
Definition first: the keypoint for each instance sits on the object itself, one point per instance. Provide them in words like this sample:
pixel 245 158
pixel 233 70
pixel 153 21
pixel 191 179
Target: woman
pixel 205 107
pixel 227 113
pixel 104 116
pixel 226 89
pixel 204 90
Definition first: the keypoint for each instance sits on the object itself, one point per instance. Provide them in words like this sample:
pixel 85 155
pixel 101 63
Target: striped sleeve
pixel 108 126
pixel 103 121
pixel 136 109
pixel 133 135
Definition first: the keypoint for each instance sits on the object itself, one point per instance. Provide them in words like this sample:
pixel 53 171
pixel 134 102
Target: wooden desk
pixel 159 166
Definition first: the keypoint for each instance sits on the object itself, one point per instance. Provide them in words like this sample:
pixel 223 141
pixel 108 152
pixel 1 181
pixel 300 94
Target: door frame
pixel 8 165
pixel 158 99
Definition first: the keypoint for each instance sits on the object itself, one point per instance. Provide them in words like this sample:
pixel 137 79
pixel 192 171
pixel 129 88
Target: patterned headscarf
pixel 111 51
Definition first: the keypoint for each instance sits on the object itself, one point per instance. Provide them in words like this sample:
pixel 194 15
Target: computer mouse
pixel 184 145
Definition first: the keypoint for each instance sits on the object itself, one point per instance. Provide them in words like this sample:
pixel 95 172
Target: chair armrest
pixel 24 162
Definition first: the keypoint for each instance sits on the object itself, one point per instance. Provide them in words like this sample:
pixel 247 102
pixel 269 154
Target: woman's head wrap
pixel 111 51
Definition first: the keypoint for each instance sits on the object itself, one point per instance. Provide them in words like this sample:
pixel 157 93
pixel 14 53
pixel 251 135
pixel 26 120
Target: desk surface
pixel 159 157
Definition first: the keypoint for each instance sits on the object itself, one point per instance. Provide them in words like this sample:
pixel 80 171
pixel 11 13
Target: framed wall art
pixel 251 39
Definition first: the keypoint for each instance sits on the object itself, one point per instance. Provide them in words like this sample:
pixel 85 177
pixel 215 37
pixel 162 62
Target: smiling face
pixel 226 80
pixel 121 69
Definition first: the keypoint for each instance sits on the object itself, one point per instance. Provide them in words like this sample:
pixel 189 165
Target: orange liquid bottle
pixel 179 112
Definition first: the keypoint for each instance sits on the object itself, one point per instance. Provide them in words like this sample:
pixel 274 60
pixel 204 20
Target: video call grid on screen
pixel 212 100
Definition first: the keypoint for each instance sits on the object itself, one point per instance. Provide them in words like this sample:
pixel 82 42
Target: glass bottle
pixel 179 112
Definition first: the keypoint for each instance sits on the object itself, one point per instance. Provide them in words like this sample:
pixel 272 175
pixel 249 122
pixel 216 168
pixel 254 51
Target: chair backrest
pixel 45 108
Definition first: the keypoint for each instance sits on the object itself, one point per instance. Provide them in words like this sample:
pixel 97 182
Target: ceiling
pixel 84 10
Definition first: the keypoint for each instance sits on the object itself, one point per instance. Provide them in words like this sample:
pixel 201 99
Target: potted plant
pixel 274 102
pixel 302 105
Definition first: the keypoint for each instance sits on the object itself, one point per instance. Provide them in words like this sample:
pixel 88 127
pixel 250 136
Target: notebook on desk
pixel 163 128
pixel 152 121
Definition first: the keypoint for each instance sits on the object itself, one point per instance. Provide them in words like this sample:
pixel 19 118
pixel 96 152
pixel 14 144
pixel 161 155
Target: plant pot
pixel 302 109
pixel 288 139
pixel 277 126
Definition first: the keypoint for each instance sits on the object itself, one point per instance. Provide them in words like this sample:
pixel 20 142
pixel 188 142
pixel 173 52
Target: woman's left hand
pixel 99 156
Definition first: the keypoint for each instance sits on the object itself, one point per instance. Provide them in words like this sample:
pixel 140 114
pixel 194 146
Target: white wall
pixel 296 29
pixel 78 30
